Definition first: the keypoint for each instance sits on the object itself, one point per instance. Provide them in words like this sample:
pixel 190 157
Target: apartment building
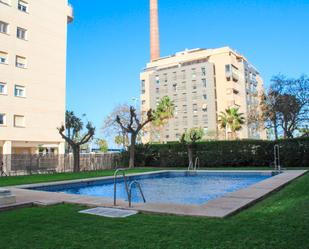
pixel 202 83
pixel 33 40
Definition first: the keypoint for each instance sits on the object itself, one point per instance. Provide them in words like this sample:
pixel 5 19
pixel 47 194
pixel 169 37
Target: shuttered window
pixel 19 121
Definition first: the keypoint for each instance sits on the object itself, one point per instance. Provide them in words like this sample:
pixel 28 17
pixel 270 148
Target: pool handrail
pixel 140 190
pixel 195 166
pixel 115 184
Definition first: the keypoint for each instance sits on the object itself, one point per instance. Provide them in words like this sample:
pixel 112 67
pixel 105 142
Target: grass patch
pixel 279 222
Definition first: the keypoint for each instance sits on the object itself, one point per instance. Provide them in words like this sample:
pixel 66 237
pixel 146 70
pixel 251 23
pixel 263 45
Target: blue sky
pixel 108 42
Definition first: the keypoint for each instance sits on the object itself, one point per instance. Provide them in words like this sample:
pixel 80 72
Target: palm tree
pixel 165 111
pixel 73 125
pixel 70 133
pixel 231 120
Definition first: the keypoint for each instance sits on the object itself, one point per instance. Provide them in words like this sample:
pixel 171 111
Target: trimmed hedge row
pixel 240 153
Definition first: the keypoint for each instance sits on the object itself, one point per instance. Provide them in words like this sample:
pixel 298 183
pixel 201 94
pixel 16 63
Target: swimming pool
pixel 173 187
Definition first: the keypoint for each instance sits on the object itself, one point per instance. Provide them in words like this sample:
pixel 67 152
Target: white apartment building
pixel 33 40
pixel 202 83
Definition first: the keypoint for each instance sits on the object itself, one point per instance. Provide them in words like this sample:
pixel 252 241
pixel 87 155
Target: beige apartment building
pixel 202 83
pixel 33 40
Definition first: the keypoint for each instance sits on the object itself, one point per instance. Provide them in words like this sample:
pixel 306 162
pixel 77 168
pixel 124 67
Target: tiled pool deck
pixel 221 207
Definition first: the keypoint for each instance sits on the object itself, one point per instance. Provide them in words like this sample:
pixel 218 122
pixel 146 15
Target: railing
pixel 195 166
pixel 277 158
pixel 128 188
pixel 115 184
pixel 140 190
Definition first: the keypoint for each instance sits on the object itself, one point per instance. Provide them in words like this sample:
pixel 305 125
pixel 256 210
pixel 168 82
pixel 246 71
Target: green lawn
pixel 20 180
pixel 279 222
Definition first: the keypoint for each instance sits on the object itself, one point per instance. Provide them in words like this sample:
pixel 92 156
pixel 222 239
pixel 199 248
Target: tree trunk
pixel 76 158
pixel 132 151
pixel 285 128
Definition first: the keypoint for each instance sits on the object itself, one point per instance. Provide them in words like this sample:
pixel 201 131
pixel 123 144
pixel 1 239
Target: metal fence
pixel 40 164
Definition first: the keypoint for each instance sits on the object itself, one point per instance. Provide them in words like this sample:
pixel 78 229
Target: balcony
pixel 70 13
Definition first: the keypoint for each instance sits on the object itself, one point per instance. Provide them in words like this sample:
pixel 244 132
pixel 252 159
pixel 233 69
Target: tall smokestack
pixel 154 31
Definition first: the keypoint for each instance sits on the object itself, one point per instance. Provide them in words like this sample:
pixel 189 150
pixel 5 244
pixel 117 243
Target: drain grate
pixel 109 212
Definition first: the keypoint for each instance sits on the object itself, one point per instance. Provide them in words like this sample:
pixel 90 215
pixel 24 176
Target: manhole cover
pixel 109 212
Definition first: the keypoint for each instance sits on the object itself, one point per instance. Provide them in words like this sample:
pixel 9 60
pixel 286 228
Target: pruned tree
pixel 135 124
pixel 133 128
pixel 190 138
pixel 70 135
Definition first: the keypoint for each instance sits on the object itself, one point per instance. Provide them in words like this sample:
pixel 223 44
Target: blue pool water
pixel 168 187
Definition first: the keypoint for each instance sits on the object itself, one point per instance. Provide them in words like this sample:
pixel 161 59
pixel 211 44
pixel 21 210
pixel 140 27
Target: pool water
pixel 169 187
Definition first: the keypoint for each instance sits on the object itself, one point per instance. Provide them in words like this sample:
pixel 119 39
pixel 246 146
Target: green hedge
pixel 240 153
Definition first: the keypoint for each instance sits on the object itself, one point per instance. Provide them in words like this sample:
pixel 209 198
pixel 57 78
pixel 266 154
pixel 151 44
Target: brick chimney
pixel 154 31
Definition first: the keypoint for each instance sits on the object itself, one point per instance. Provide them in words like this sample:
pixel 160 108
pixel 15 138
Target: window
pixel 143 102
pixel 194 86
pixel 19 121
pixel 183 72
pixel 3 57
pixel 165 77
pixel 20 62
pixel 235 91
pixel 23 6
pixel 2 119
pixel 175 87
pixel 3 88
pixel 194 108
pixel 227 68
pixel 20 91
pixel 204 82
pixel 143 86
pixel 205 96
pixel 157 79
pixel 203 71
pixel 174 75
pixel 195 120
pixel 193 73
pixel 157 90
pixel 204 108
pixel 4 27
pixel 21 33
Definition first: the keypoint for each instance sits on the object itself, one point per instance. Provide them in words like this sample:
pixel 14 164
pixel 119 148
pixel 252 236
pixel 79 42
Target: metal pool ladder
pixel 140 190
pixel 278 168
pixel 196 165
pixel 128 188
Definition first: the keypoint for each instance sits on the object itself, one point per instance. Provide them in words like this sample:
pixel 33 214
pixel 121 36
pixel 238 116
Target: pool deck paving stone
pixel 220 208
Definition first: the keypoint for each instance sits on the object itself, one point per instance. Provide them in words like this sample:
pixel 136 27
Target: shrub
pixel 240 153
